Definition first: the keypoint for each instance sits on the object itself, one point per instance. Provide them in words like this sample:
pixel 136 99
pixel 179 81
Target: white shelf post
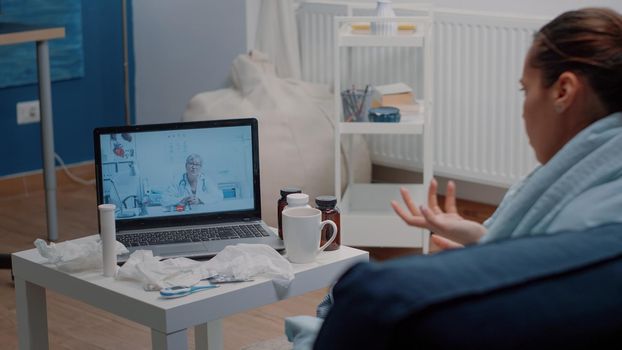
pixel 367 218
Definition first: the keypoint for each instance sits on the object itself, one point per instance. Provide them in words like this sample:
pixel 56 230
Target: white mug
pixel 302 229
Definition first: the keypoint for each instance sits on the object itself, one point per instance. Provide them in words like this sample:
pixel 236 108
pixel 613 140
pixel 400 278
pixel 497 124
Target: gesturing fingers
pixel 450 198
pixel 409 201
pixel 432 200
pixel 434 224
pixel 413 220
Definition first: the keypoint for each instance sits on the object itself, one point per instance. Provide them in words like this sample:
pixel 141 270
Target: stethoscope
pixel 183 183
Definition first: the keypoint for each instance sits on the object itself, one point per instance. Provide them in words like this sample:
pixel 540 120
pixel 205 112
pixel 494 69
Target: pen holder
pixel 356 104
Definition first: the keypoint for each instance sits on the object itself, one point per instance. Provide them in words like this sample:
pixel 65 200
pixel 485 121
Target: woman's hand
pixel 444 243
pixel 448 224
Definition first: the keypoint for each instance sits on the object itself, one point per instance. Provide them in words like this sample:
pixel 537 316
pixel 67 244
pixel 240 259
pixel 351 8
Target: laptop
pixel 183 189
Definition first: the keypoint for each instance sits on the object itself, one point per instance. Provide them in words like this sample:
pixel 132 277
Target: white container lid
pixel 297 199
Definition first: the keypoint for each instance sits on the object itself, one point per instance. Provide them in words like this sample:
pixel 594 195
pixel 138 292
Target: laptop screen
pixel 178 171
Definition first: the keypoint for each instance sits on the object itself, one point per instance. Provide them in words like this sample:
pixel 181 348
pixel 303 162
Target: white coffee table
pixel 168 318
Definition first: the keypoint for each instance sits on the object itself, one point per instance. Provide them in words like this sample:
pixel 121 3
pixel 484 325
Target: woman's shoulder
pixel 596 206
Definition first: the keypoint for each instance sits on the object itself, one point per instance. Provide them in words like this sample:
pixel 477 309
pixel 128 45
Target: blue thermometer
pixel 180 291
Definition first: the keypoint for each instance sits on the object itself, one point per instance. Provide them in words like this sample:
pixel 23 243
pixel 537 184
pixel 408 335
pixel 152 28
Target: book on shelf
pixel 397 95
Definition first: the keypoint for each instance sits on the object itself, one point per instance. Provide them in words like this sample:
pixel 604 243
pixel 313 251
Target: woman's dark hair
pixel 587 42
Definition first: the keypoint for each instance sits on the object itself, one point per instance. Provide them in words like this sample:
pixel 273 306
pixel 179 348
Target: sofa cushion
pixel 543 291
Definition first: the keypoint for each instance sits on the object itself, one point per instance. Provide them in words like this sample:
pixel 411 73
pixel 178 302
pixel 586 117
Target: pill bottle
pixel 281 203
pixel 328 206
pixel 295 200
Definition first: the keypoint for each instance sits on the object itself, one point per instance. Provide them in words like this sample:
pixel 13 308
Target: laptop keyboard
pixel 192 235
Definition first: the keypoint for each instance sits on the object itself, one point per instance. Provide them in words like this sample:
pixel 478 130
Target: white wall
pixel 181 48
pixel 549 8
pixel 532 7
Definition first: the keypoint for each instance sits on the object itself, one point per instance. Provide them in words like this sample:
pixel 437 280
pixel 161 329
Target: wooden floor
pixel 74 325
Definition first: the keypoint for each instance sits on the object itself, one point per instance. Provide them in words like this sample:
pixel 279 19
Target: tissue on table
pixel 155 273
pixel 249 260
pixel 239 261
pixel 75 256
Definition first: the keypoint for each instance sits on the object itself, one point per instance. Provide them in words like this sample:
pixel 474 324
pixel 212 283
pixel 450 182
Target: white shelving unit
pixel 367 218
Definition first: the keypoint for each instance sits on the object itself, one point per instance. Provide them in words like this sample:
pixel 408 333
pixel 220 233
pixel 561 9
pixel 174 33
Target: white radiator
pixel 477 123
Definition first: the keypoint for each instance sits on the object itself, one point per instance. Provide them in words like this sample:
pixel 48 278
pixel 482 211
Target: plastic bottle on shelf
pixel 328 206
pixel 281 203
pixel 384 25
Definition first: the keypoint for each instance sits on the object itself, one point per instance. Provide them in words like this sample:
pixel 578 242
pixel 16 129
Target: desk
pixel 168 319
pixel 14 33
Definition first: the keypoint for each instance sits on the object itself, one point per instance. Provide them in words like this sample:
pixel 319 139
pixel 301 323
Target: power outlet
pixel 28 112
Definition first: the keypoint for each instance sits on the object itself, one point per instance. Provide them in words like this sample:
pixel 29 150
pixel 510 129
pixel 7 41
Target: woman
pixel 572 80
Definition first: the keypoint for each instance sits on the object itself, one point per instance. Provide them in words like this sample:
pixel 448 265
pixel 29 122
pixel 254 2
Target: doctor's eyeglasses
pixel 196 165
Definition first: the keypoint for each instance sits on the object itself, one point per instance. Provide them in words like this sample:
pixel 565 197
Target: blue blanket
pixel 579 188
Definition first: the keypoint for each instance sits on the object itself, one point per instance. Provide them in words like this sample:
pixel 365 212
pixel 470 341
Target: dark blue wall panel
pixel 79 105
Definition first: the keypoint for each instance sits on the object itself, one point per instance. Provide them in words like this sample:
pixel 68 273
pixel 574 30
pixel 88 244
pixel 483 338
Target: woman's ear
pixel 565 91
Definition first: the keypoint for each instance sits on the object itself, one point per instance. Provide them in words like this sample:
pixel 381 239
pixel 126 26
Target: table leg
pixel 209 336
pixel 32 323
pixel 47 137
pixel 170 341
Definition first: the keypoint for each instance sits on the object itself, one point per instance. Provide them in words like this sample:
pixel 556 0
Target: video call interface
pixel 177 172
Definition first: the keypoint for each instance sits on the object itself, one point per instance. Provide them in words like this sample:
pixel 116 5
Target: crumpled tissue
pixel 72 256
pixel 155 273
pixel 239 261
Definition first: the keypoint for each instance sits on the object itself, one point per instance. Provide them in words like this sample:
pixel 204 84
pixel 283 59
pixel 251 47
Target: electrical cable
pixel 70 175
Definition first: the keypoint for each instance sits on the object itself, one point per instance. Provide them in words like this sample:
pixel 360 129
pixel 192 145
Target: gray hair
pixel 194 157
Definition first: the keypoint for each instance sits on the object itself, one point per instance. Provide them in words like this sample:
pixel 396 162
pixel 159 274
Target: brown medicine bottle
pixel 281 203
pixel 328 206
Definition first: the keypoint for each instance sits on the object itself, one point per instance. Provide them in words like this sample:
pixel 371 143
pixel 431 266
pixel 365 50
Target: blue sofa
pixel 552 291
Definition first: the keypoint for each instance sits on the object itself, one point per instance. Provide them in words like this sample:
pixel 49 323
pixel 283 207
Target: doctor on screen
pixel 193 188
